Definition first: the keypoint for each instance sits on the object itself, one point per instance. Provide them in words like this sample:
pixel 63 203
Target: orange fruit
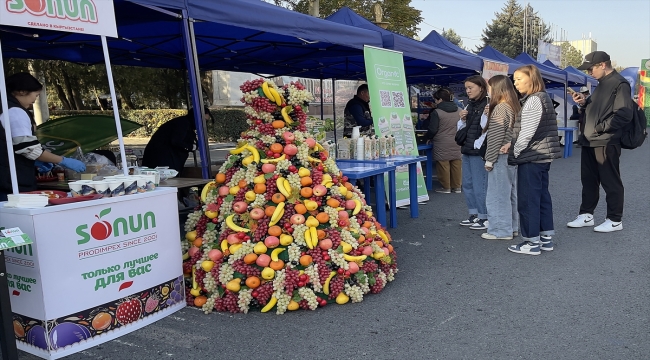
pixel 200 300
pixel 269 211
pixel 242 184
pixel 322 217
pixel 253 282
pixel 379 243
pixel 306 260
pixel 306 192
pixel 321 234
pixel 333 202
pixel 278 198
pixel 276 148
pixel 277 265
pixel 362 239
pixel 275 230
pixel 367 224
pixel 220 178
pixel 390 247
pixel 259 188
pixel 250 258
pixel 300 209
pixel 305 181
pixel 348 186
pixel 278 124
pixel 198 242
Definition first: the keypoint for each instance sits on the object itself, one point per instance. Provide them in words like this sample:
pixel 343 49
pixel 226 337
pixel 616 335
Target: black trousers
pixel 600 166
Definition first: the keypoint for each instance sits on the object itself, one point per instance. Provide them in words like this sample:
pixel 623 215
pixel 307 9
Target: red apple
pixel 325 244
pixel 344 215
pixel 224 191
pixel 192 251
pixel 344 222
pixel 288 136
pixel 271 242
pixel 367 250
pixel 320 190
pixel 240 207
pixel 386 251
pixel 263 260
pixel 310 142
pixel 297 219
pixel 268 168
pixel 350 204
pixel 257 214
pixel 215 254
pixel 290 149
pixel 233 239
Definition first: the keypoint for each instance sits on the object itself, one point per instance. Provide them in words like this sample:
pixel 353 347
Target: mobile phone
pixel 570 91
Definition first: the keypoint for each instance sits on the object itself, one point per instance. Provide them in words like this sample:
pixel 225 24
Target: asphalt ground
pixel 456 296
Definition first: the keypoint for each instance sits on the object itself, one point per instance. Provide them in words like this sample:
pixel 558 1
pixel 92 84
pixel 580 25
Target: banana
pixel 267 92
pixel 281 186
pixel 314 236
pixel 285 115
pixel 354 258
pixel 277 214
pixel 275 253
pixel 204 193
pixel 195 285
pixel 276 96
pixel 233 226
pixel 357 208
pixel 308 239
pixel 326 178
pixel 274 161
pixel 224 245
pixel 239 150
pixel 319 147
pixel 326 287
pixel 287 186
pixel 383 236
pixel 253 150
pixel 313 159
pixel 247 160
pixel 270 304
pixel 186 256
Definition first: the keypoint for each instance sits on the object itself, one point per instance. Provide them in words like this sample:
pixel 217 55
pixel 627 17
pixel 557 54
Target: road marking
pixel 125 343
pixel 449 319
pixel 415 243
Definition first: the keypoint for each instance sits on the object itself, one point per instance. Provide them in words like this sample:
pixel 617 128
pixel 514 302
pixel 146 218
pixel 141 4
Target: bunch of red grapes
pixel 227 303
pixel 335 236
pixel 336 286
pixel 291 280
pixel 262 228
pixel 246 270
pixel 251 85
pixel 263 293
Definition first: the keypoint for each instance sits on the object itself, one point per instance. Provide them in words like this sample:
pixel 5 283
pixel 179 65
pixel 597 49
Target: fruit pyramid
pixel 280 228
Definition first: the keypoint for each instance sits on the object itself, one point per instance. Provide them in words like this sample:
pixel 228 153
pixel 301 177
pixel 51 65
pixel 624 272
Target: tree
pixel 570 55
pixel 506 32
pixel 402 18
pixel 452 37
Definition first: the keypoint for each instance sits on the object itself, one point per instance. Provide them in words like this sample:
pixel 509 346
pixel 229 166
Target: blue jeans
pixel 475 185
pixel 535 206
pixel 501 198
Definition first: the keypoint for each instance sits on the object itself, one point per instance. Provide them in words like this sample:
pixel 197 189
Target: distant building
pixel 585 45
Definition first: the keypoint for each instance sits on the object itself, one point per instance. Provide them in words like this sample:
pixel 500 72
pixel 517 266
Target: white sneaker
pixel 609 226
pixel 581 221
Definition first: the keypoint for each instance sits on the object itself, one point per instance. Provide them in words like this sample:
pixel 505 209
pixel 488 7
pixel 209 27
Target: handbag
pixel 461 136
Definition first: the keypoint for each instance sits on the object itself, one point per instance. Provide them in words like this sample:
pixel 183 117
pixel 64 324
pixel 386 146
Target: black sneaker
pixel 470 221
pixel 480 224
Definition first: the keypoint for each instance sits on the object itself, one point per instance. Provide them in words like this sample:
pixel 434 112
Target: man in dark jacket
pixel 357 111
pixel 607 111
pixel 172 143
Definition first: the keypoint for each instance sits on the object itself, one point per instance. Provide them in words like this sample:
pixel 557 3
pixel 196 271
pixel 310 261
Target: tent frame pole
pixel 7 126
pixel 192 64
pixel 334 109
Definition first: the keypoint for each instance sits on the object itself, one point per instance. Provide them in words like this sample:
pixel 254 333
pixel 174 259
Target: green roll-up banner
pixel 391 112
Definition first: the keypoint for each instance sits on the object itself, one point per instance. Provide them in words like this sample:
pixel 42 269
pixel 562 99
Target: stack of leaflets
pixel 27 201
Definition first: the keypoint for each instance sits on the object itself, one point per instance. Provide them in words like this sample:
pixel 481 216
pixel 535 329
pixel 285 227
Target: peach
pixel 240 207
pixel 215 254
pixel 271 242
pixel 224 191
pixel 263 260
pixel 268 168
pixel 193 250
pixel 325 244
pixel 386 251
pixel 233 239
pixel 353 267
pixel 288 136
pixel 367 250
pixel 349 204
pixel 297 219
pixel 290 149
pixel 344 215
pixel 320 190
pixel 310 142
pixel 257 214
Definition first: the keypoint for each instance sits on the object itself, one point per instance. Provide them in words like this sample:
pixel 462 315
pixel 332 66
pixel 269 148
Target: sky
pixel 621 28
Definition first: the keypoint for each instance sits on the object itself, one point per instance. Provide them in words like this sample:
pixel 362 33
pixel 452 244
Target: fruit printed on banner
pixel 280 228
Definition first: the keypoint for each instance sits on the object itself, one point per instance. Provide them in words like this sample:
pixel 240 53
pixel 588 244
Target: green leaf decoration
pixel 268 176
pixel 230 198
pixel 104 212
pixel 211 226
pixel 296 296
pixel 371 280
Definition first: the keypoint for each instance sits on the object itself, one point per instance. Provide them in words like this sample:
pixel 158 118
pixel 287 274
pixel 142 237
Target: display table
pixel 97 270
pixel 568 140
pixel 356 171
pixel 398 160
pixel 173 182
pixel 428 150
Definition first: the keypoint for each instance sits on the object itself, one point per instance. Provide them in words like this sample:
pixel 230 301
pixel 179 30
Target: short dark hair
pixel 22 81
pixel 362 87
pixel 444 94
pixel 608 64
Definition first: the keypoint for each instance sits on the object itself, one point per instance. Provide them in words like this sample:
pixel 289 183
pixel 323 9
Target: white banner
pixel 491 68
pixel 548 51
pixel 79 16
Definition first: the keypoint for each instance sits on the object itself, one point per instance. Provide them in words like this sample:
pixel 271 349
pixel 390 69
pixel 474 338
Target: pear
pixel 234 285
pixel 268 273
pixel 342 298
pixel 311 221
pixel 260 248
pixel 302 172
pixel 286 239
pixel 259 180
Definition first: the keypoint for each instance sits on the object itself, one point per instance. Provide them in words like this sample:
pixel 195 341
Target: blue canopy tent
pixel 422 62
pixel 588 79
pixel 551 72
pixel 436 40
pixel 493 54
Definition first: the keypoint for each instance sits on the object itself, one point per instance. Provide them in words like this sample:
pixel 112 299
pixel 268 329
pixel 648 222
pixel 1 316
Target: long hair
pixel 535 78
pixel 480 82
pixel 502 91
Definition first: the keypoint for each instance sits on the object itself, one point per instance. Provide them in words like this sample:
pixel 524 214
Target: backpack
pixel 635 133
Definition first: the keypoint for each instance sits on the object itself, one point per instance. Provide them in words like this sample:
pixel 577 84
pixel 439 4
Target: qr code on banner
pixel 384 95
pixel 398 99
